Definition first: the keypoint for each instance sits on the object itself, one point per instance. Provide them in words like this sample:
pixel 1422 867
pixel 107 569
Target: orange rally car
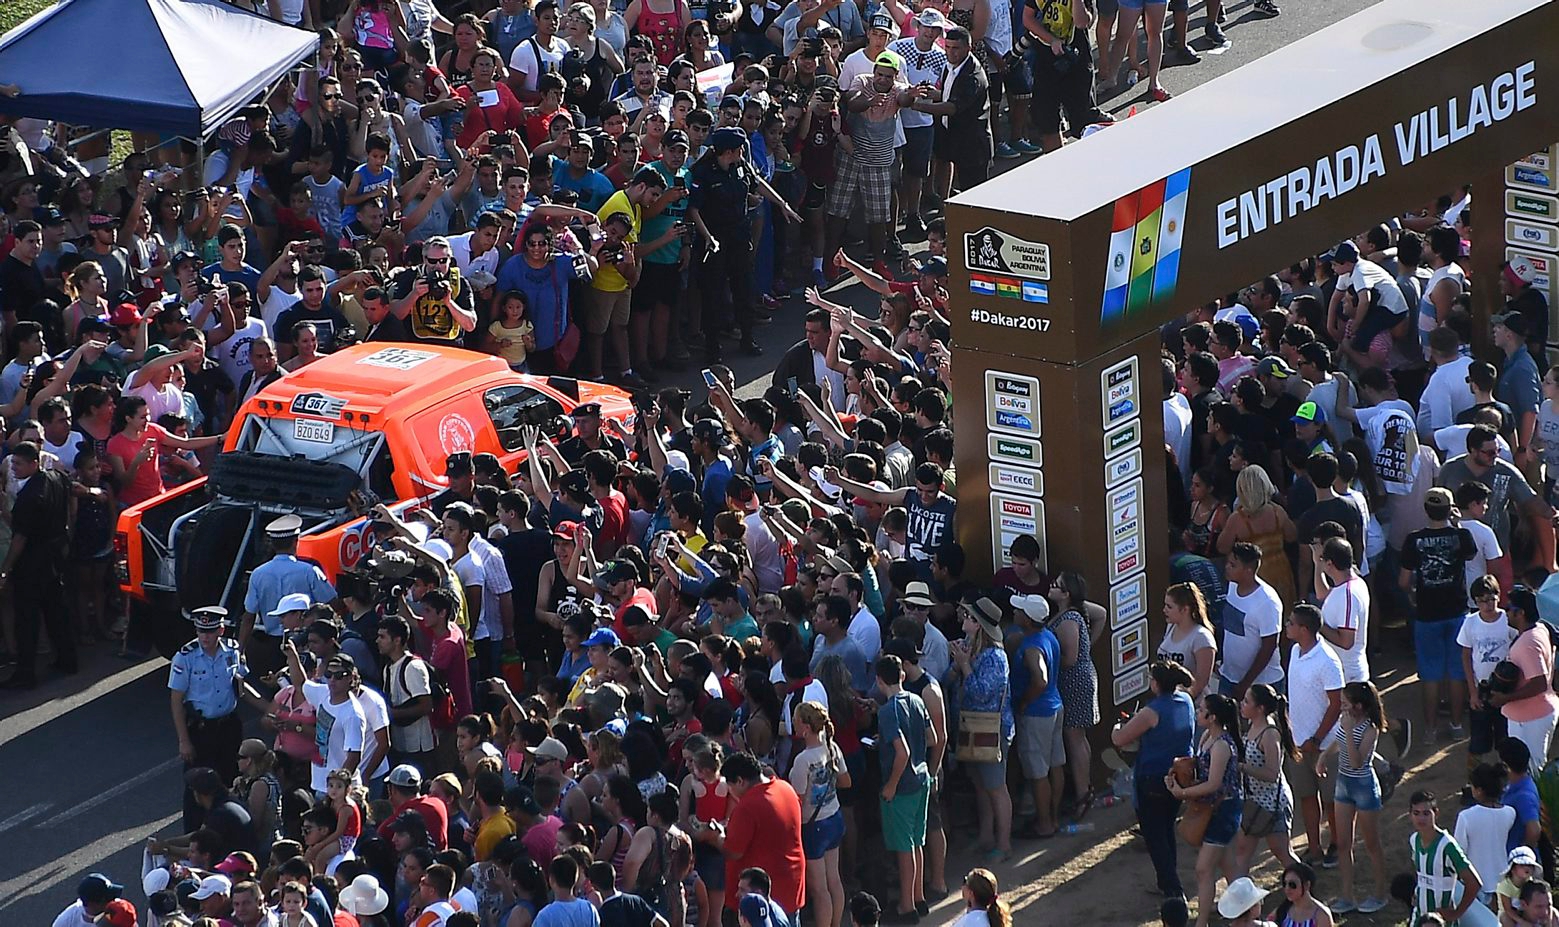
pixel 376 419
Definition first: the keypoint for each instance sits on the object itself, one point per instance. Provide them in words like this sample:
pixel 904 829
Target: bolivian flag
pixel 1146 230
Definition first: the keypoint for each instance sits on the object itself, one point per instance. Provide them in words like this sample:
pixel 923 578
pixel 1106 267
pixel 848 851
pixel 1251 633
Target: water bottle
pixel 1123 784
pixel 1107 801
pixel 1077 827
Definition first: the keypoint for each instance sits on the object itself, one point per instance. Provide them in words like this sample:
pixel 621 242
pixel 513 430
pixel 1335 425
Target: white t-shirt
pixel 1183 650
pixel 471 572
pixel 1488 549
pixel 1246 620
pixel 75 442
pixel 1452 442
pixel 232 355
pixel 1348 606
pixel 1310 677
pixel 376 717
pixel 1386 428
pixel 523 59
pixel 1367 275
pixel 767 562
pixel 487 262
pixel 338 730
pixel 1445 395
pixel 74 916
pixel 166 400
pixel 495 582
pixel 277 301
pixel 813 692
pixel 1489 642
pixel 417 736
pixel 1177 433
pixel 1481 831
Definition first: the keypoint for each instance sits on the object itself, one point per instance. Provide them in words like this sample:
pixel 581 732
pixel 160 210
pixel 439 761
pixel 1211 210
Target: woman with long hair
pixel 1258 519
pixel 647 867
pixel 1299 907
pixel 260 790
pixel 1079 680
pixel 474 740
pixel 1164 727
pixel 135 449
pixel 817 773
pixel 470 37
pixel 1358 793
pixel 1188 634
pixel 626 808
pixel 984 906
pixel 1218 759
pixel 845 713
pixel 1208 514
pixel 757 723
pixel 528 889
pixel 1269 804
pixel 86 286
pixel 982 676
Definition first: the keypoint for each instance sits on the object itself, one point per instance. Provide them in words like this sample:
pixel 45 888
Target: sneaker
pixel 1266 8
pixel 1403 735
pixel 1329 861
pixel 1341 906
pixel 632 380
pixel 1458 732
pixel 895 248
pixel 1006 152
pixel 914 226
pixel 1371 905
pixel 1024 146
pixel 1181 54
pixel 1215 34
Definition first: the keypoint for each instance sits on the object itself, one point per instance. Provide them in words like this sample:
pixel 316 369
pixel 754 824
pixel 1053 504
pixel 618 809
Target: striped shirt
pixel 1438 867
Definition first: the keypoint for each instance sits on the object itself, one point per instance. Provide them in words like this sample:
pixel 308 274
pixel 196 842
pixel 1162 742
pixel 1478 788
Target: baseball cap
pixel 614 572
pixel 675 138
pixel 1308 413
pixel 213 885
pixel 1438 502
pixel 126 314
pixel 292 602
pixel 1346 252
pixel 550 748
pixel 603 637
pixel 1520 272
pixel 565 530
pixel 829 489
pixel 709 430
pixel 890 59
pixel 119 913
pixel 1274 366
pixel 405 776
pixel 101 220
pixel 679 480
pixel 884 22
pixel 903 648
pixel 48 215
pixel 155 881
pixel 522 798
pixel 98 889
pixel 755 910
pixel 1515 321
pixel 935 266
pixel 235 865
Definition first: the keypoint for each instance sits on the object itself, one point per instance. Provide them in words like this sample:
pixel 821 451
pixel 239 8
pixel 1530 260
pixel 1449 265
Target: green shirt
pixel 1438 867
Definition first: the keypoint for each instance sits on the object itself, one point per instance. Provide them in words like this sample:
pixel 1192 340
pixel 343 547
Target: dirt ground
pixel 1104 877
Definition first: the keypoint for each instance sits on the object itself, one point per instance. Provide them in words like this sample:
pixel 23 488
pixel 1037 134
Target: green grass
pixel 12 14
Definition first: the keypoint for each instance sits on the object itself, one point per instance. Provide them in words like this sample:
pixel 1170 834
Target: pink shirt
pixel 1534 653
pixel 542 838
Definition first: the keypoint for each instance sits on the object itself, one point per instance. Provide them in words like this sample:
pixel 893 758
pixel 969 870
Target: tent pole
pixel 200 160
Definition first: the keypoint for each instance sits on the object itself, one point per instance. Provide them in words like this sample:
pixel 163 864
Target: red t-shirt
pixel 765 831
pixel 449 658
pixel 641 596
pixel 434 814
pixel 614 525
pixel 148 479
pixel 507 115
pixel 908 288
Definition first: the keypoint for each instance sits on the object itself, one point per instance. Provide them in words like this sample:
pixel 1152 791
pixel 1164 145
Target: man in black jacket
pixel 39 521
pixel 963 133
pixel 806 357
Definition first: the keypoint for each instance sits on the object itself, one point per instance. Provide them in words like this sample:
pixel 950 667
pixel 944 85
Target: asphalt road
pixel 90 766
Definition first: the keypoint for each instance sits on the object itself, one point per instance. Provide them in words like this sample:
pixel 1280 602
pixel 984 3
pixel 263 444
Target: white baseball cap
pixel 292 602
pixel 213 885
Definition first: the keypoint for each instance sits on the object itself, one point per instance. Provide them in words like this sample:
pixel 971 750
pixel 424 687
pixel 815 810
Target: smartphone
pixel 791 386
pixel 486 98
pixel 709 378
pixel 869 743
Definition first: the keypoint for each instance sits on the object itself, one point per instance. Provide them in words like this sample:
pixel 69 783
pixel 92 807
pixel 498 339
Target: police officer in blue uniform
pixel 284 573
pixel 205 683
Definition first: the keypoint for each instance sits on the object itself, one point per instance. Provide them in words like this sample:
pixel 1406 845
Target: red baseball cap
pixel 125 314
pixel 235 865
pixel 119 913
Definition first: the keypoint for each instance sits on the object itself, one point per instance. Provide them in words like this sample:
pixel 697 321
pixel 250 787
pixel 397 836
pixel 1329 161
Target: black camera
pixel 438 283
pixel 811 47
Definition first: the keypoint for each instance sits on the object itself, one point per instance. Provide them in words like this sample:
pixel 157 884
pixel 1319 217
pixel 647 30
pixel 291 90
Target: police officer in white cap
pixel 205 682
pixel 284 574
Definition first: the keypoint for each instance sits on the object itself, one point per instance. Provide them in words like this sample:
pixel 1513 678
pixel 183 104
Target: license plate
pixel 308 429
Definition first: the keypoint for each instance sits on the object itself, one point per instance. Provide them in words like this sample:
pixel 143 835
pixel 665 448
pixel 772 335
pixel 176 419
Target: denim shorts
pixel 822 835
pixel 1439 656
pixel 1362 792
pixel 1225 823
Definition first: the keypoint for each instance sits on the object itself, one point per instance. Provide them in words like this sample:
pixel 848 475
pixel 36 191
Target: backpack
pixel 443 714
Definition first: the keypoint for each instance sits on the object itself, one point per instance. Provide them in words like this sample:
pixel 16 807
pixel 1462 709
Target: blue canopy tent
pixel 177 67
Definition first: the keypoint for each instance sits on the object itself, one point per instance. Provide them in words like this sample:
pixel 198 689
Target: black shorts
pixel 816 196
pixel 1065 89
pixel 659 284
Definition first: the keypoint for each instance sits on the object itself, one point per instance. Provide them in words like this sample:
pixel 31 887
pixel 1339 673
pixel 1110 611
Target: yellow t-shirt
pixel 607 277
pixel 1056 16
pixel 514 354
pixel 489 833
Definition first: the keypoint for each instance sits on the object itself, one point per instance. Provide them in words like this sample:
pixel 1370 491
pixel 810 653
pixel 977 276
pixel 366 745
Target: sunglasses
pixel 330 96
pixel 434 260
pixel 340 674
pixel 1291 884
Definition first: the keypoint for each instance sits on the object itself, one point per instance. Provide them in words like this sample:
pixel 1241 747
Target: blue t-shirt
pixel 854 660
pixel 1521 796
pixel 248 276
pixel 1049 702
pixel 577 913
pixel 593 188
pixel 716 475
pixel 1520 384
pixel 546 294
pixel 904 715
